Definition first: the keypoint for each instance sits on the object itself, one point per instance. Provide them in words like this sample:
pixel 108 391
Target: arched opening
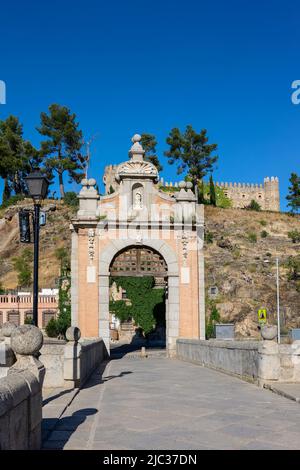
pixel 137 298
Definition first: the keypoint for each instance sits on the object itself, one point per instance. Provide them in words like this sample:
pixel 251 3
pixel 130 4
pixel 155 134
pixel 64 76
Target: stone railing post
pixel 7 356
pixel 268 356
pixel 26 342
pixel 7 330
pixel 72 357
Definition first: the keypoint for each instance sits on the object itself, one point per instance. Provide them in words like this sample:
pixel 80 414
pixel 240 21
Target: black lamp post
pixel 37 188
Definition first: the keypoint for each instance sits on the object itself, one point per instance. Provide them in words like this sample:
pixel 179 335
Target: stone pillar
pixel 7 330
pixel 72 357
pixel 268 356
pixel 26 342
pixel 7 356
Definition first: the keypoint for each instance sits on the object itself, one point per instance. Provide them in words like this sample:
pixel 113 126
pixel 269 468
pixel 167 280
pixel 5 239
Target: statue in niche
pixel 137 197
pixel 138 201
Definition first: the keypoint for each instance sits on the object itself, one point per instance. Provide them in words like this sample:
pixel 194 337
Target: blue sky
pixel 147 66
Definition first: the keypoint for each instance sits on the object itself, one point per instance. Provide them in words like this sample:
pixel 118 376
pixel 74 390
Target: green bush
pixel 294 235
pixel 208 237
pixel 28 320
pixel 52 328
pixel 23 265
pixel 214 318
pixel 253 206
pixel 252 237
pixel 264 234
pixel 263 223
pixel 71 199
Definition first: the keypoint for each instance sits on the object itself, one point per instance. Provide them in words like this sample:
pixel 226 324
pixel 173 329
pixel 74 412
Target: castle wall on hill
pixel 240 194
pixel 266 194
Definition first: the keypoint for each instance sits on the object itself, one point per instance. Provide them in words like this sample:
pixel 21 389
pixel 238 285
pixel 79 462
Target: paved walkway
pixel 159 403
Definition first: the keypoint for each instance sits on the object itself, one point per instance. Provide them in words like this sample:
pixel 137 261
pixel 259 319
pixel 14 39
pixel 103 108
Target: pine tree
pixel 191 152
pixel 149 144
pixel 62 149
pixel 294 193
pixel 17 157
pixel 212 192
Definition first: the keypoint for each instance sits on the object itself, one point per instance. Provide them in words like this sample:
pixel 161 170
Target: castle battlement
pixel 266 194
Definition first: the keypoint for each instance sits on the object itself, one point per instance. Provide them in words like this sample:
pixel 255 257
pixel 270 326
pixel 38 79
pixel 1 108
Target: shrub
pixel 263 223
pixel 252 237
pixel 253 206
pixel 210 324
pixel 295 236
pixel 23 265
pixel 71 199
pixel 52 329
pixel 264 234
pixel 293 265
pixel 28 320
pixel 208 237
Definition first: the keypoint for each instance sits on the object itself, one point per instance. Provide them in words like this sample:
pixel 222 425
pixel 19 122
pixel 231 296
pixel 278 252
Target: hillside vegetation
pixel 237 244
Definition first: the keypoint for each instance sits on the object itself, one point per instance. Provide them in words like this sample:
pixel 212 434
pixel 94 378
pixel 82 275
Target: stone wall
pixel 20 412
pixel 241 194
pixel 239 358
pixel 68 365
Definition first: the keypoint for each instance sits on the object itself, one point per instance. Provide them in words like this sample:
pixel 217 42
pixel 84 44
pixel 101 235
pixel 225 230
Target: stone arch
pixel 172 304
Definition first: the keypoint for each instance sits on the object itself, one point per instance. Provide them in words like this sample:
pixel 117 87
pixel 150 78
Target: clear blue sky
pixel 147 66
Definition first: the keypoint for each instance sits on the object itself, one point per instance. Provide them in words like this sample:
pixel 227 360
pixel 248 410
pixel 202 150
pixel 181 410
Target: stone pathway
pixel 160 403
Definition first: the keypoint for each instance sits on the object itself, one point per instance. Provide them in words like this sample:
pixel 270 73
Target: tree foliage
pixel 294 193
pixel 149 144
pixel 147 304
pixel 192 152
pixel 62 148
pixel 17 157
pixel 212 192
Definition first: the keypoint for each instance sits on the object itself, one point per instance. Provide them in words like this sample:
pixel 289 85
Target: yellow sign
pixel 262 315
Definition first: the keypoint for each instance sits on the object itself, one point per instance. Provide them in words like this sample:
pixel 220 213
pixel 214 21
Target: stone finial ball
pixel 182 184
pixel 269 332
pixel 136 138
pixel 189 185
pixel 91 182
pixel 8 328
pixel 27 340
pixel 73 334
pixel 84 182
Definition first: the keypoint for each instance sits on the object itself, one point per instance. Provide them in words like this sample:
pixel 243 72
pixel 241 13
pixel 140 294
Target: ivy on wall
pixel 147 307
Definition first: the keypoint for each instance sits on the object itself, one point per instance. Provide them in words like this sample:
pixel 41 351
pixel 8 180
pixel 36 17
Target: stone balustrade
pixel 21 390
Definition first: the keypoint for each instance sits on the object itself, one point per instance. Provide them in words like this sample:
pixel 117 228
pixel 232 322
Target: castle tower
pixel 109 179
pixel 271 190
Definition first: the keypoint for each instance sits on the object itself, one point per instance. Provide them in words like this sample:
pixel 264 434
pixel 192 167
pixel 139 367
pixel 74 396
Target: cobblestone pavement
pixel 160 403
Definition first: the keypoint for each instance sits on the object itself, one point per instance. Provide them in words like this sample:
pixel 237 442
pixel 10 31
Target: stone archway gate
pixel 138 214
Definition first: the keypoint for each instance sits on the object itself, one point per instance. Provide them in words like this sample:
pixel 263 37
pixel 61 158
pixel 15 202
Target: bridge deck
pixel 160 403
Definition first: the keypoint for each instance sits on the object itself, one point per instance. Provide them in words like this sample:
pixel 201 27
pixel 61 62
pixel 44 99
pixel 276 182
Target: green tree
pixel 149 144
pixel 62 148
pixel 192 153
pixel 212 192
pixel 253 206
pixel 294 193
pixel 17 157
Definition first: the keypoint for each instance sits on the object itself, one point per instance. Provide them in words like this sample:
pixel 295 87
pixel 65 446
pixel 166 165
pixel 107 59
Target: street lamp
pixel 37 188
pixel 278 304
